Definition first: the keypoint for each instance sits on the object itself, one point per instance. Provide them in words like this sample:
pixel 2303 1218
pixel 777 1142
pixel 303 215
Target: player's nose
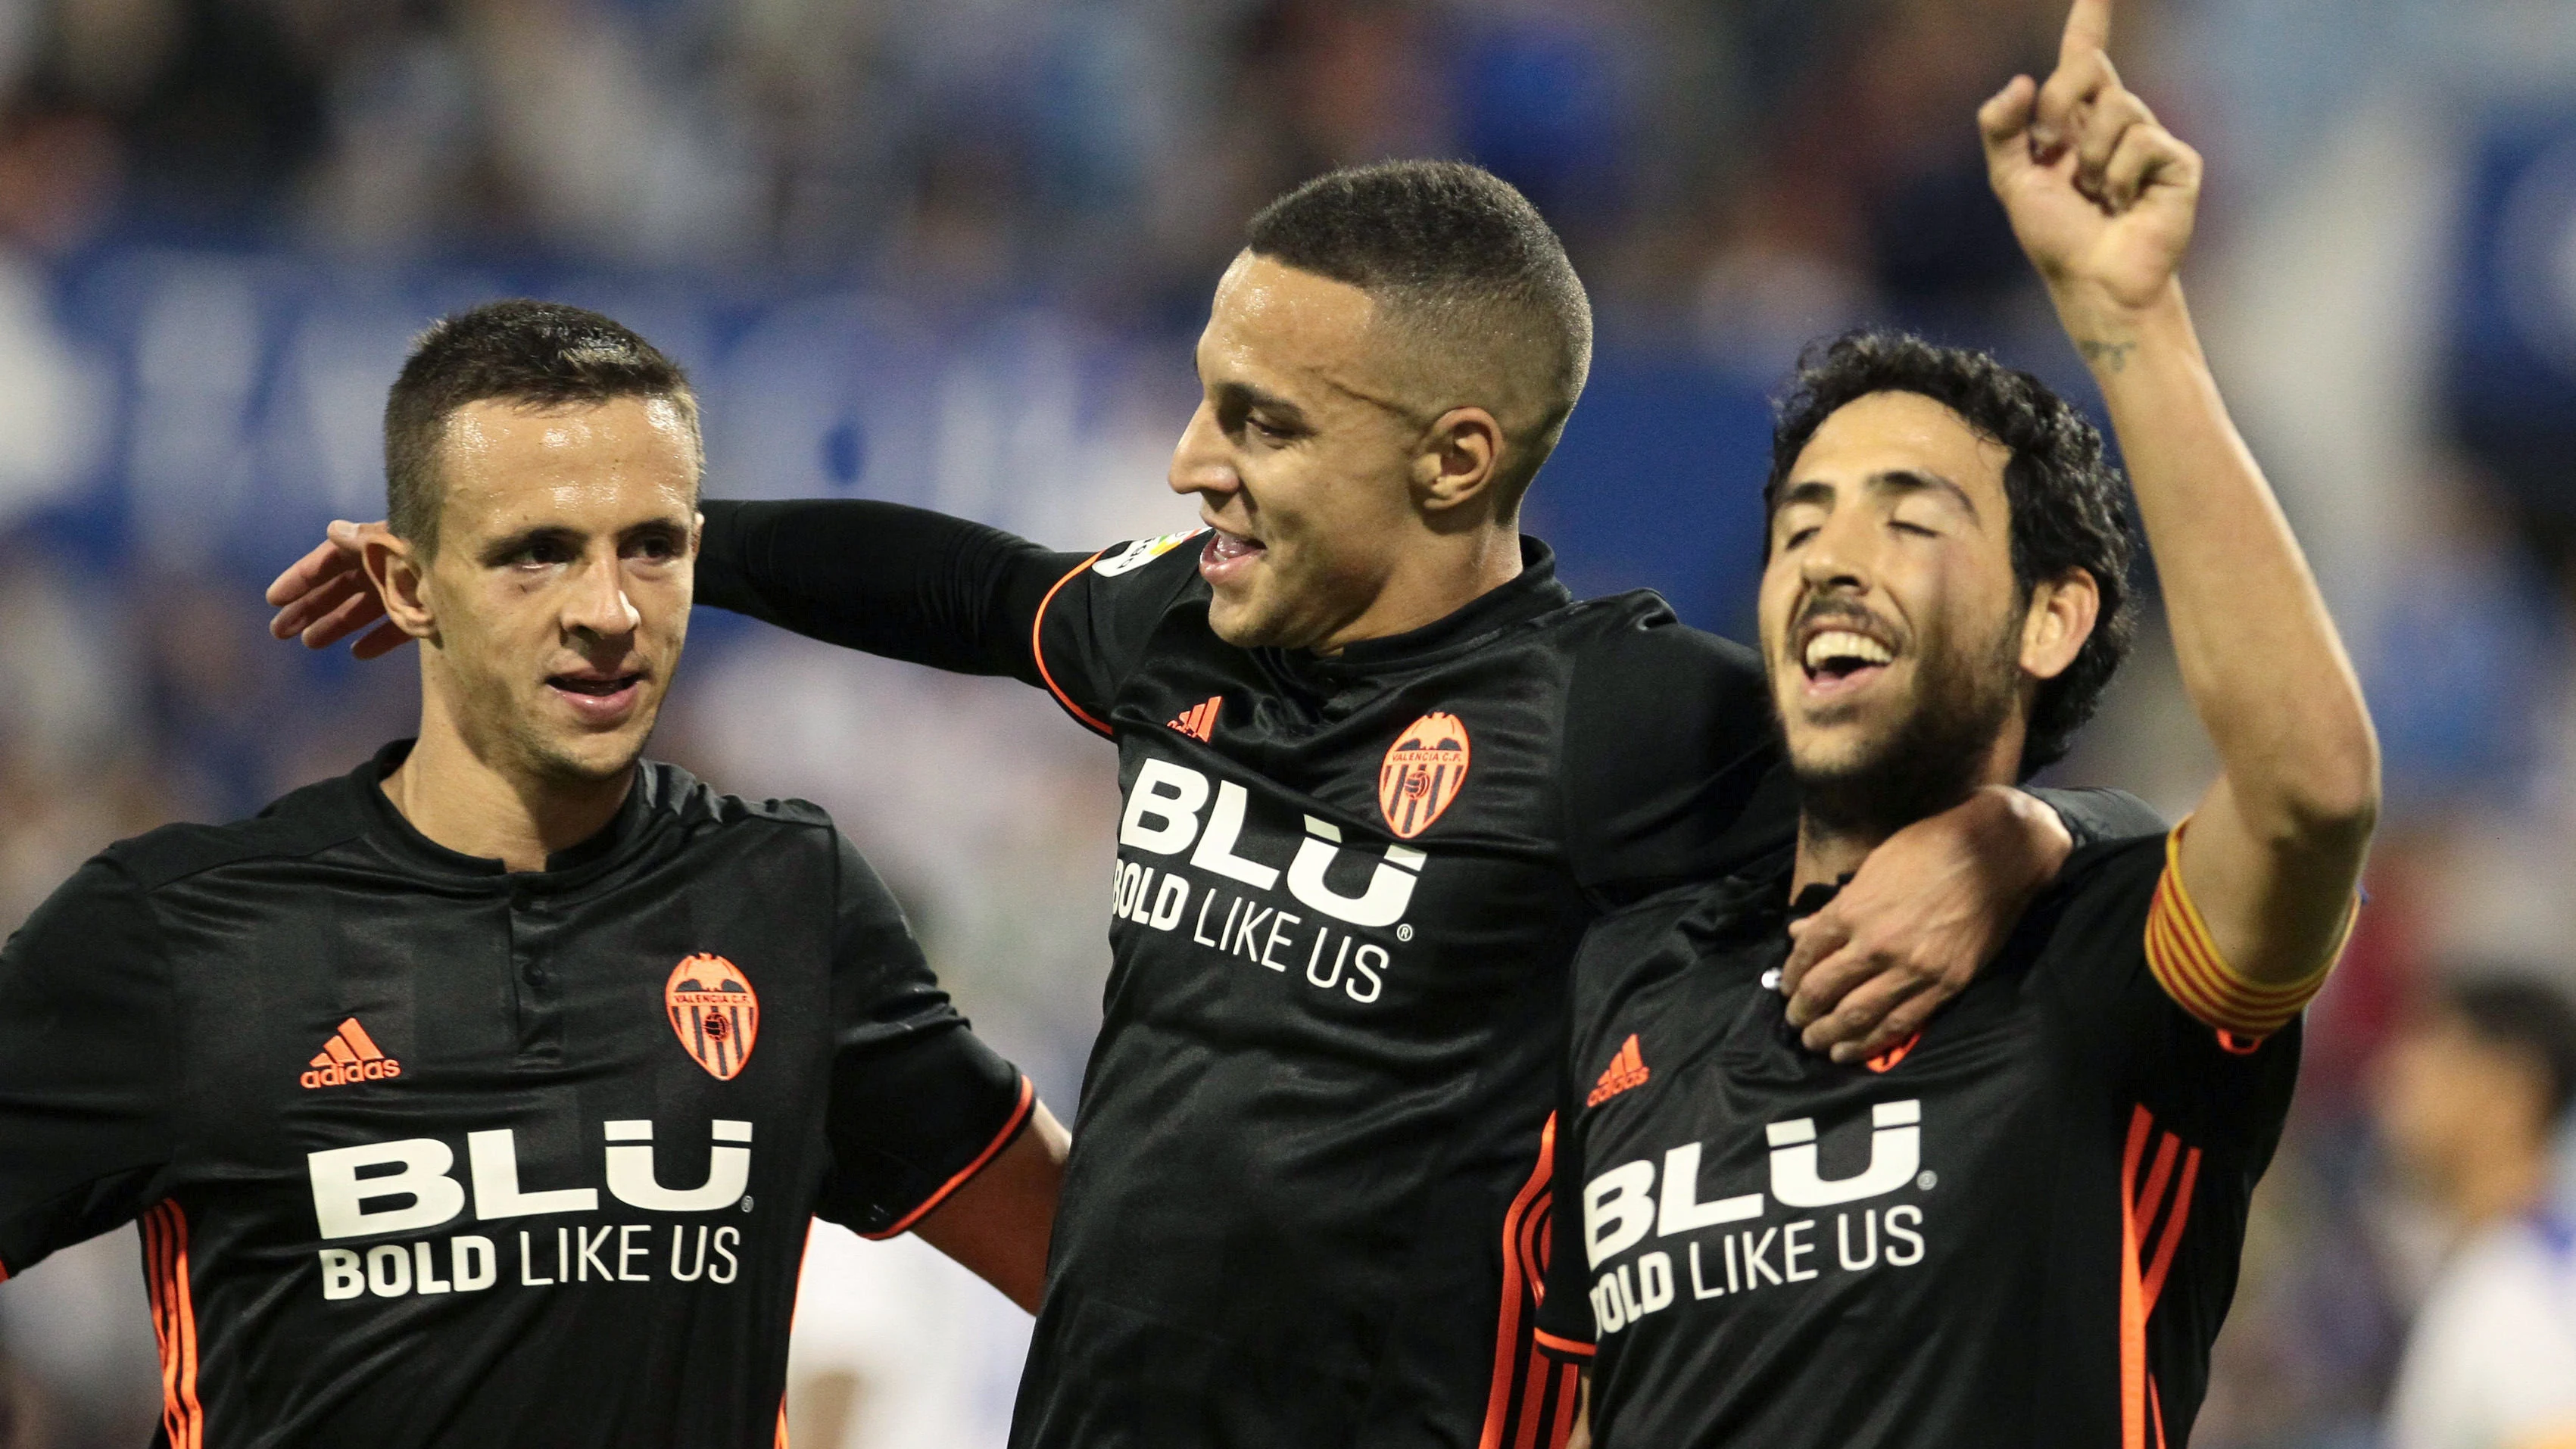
pixel 1200 460
pixel 1838 557
pixel 596 601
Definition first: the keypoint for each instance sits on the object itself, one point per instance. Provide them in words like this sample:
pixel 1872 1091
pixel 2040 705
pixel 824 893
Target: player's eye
pixel 540 553
pixel 654 548
pixel 1798 536
pixel 1916 530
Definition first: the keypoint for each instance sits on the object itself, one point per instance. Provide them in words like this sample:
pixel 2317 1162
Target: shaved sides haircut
pixel 538 354
pixel 1467 272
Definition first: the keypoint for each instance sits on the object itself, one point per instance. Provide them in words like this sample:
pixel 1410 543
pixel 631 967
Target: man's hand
pixel 2101 196
pixel 324 597
pixel 1925 910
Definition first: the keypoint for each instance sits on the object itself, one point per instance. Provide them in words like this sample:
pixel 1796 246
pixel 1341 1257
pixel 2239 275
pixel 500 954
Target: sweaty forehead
pixel 506 465
pixel 1280 328
pixel 1905 432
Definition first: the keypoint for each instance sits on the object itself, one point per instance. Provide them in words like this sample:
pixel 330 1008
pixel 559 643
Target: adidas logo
pixel 350 1055
pixel 1199 721
pixel 1627 1069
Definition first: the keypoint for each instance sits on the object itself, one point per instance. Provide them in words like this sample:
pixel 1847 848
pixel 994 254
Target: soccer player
pixel 1379 768
pixel 483 1096
pixel 2021 1228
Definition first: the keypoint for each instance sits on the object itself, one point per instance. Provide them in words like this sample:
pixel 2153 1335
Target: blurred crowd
pixel 954 253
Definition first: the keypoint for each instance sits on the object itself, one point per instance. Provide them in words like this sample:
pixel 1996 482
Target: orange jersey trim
pixel 1566 1346
pixel 1001 1139
pixel 2186 962
pixel 1037 648
pixel 2141 1405
pixel 1528 1210
pixel 174 1323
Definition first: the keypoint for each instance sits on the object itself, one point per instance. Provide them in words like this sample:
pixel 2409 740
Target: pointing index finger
pixel 2088 29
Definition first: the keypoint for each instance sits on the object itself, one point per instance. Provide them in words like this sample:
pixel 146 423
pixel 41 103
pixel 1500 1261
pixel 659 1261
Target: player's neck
pixel 1442 576
pixel 468 803
pixel 1830 854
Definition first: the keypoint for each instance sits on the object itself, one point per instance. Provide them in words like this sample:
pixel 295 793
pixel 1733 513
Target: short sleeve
pixel 2094 815
pixel 918 1104
pixel 1093 625
pixel 1672 768
pixel 87 1053
pixel 2108 969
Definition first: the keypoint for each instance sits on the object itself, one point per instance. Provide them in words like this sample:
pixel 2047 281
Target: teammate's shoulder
pixel 300 823
pixel 695 804
pixel 2102 864
pixel 1637 632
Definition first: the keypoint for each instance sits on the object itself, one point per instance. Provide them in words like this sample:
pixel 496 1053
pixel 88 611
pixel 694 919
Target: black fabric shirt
pixel 2022 1230
pixel 1307 1198
pixel 428 1152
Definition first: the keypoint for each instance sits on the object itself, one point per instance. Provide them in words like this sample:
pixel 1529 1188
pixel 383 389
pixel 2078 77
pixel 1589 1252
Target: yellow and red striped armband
pixel 2187 964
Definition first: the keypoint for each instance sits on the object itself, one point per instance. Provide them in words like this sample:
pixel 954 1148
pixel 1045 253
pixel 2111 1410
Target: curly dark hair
pixel 2069 506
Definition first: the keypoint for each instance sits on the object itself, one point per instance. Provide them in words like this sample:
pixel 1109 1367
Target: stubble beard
pixel 1929 760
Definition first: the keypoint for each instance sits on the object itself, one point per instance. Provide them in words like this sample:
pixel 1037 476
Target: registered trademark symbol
pixel 1927 1182
pixel 1404 933
pixel 746 1197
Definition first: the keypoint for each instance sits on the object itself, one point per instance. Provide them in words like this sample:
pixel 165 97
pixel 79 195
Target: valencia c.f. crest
pixel 1422 773
pixel 715 1012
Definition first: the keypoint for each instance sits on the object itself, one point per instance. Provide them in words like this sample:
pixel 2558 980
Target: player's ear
pixel 395 568
pixel 1457 461
pixel 2061 617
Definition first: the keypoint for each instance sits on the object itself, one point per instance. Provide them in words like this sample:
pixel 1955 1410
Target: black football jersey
pixel 426 1152
pixel 2019 1229
pixel 1308 1196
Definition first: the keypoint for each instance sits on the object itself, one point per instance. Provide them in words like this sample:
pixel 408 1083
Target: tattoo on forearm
pixel 2113 355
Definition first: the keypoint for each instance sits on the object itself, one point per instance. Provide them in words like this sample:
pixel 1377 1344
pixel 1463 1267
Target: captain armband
pixel 2187 964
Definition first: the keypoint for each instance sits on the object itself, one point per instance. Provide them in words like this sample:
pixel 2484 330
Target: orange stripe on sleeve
pixel 1566 1346
pixel 992 1149
pixel 2186 962
pixel 1037 648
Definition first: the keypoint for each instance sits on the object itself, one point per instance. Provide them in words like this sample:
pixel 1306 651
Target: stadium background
pixel 955 253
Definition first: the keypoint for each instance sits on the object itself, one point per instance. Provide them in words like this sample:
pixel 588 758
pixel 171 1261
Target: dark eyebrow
pixel 1908 480
pixel 512 545
pixel 1245 396
pixel 1896 480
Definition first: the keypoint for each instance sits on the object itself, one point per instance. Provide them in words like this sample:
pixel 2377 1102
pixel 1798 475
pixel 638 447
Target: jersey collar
pixel 565 869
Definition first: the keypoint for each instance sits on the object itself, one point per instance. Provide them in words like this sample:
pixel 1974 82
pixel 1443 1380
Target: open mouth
pixel 1228 555
pixel 598 698
pixel 1839 660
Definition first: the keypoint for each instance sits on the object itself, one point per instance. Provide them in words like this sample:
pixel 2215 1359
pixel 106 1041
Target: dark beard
pixel 1932 759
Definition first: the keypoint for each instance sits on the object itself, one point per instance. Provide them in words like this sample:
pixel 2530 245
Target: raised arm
pixel 881 577
pixel 2103 200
